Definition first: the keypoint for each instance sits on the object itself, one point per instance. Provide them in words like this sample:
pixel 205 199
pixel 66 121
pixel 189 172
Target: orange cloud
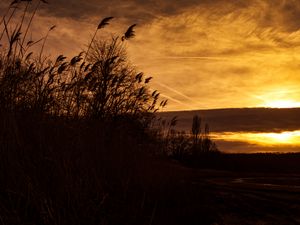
pixel 205 54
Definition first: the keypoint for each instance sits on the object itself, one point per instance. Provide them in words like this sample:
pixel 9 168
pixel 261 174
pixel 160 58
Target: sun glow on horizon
pixel 282 104
pixel 263 139
pixel 280 98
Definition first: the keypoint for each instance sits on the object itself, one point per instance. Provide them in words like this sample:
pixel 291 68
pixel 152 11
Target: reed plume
pixel 103 23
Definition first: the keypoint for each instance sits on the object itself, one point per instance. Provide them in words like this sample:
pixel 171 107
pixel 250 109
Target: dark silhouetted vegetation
pixel 100 84
pixel 76 144
pixel 183 146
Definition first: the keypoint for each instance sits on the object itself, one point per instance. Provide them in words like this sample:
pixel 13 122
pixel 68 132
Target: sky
pixel 202 54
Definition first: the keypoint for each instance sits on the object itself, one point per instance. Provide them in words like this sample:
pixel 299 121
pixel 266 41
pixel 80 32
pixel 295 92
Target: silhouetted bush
pixel 182 145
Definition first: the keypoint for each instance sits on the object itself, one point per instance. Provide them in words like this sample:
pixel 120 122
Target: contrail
pixel 173 99
pixel 177 92
pixel 195 57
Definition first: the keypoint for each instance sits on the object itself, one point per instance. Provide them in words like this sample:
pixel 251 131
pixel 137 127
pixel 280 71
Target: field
pixel 201 196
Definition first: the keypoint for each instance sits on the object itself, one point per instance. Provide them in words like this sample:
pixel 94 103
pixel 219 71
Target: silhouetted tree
pixel 196 128
pixel 206 144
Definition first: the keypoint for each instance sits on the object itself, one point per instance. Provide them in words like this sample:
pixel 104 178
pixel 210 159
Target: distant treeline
pixel 241 120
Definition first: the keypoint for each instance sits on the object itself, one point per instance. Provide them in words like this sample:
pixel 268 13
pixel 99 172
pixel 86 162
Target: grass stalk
pixel 44 42
pixel 8 21
pixel 30 22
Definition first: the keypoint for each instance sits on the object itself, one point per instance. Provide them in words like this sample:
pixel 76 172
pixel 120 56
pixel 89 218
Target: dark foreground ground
pixel 160 192
pixel 235 198
pixel 63 172
pixel 202 196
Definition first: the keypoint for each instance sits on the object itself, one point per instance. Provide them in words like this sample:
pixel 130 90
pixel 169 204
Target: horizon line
pixel 230 108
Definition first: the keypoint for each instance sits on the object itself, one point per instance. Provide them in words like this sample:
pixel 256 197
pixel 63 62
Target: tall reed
pixel 96 83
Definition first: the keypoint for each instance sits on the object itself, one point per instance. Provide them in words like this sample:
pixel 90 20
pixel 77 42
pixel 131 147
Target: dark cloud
pixel 137 8
pixel 283 14
pixel 241 120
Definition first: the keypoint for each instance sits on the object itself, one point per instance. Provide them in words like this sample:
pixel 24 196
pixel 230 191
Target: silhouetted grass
pixel 103 172
pixel 96 83
pixel 75 141
pixel 87 172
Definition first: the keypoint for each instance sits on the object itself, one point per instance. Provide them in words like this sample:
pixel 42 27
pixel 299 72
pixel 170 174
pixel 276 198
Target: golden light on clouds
pixel 223 59
pixel 287 138
pixel 282 98
pixel 282 104
pixel 202 54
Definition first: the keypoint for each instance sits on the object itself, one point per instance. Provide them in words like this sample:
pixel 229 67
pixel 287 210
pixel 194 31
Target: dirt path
pixel 258 199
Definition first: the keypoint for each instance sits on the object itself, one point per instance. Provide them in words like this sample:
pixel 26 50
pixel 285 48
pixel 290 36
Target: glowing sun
pixel 263 139
pixel 282 104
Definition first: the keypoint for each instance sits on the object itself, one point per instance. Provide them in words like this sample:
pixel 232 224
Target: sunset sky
pixel 202 53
